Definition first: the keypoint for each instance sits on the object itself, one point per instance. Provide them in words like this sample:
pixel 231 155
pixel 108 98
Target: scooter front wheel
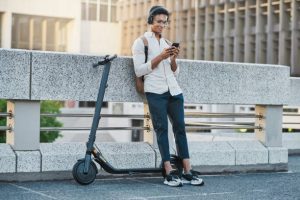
pixel 82 178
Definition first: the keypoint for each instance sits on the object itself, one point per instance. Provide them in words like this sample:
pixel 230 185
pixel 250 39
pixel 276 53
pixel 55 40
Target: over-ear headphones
pixel 156 10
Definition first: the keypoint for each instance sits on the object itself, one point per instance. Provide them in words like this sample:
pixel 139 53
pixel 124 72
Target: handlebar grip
pixel 96 64
pixel 105 60
pixel 112 57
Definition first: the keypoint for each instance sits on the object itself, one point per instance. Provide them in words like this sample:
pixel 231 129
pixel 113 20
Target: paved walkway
pixel 281 186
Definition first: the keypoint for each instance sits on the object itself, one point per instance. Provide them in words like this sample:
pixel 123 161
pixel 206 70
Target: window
pixel 99 10
pixel 113 13
pixel 92 10
pixel 104 10
pixel 39 33
pixel 83 10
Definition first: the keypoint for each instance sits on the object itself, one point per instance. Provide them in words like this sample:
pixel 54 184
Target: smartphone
pixel 175 44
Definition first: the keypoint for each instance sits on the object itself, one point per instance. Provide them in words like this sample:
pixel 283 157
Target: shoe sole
pixel 189 182
pixel 179 185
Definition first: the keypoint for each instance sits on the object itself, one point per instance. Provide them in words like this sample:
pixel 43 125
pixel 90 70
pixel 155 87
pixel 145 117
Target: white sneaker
pixel 192 178
pixel 172 180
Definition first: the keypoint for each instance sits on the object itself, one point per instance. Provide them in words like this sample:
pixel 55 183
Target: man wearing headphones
pixel 163 94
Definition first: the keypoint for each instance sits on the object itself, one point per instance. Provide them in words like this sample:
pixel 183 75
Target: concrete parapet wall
pixel 61 157
pixel 62 76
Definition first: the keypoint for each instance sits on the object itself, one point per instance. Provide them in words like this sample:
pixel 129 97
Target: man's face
pixel 159 23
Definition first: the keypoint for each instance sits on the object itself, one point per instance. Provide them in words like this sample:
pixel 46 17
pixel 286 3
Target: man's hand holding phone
pixel 174 50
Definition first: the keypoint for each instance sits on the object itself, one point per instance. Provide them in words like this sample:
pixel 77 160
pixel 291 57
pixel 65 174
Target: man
pixel 163 94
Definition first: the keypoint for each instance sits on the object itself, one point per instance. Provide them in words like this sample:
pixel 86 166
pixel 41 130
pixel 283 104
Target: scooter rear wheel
pixel 82 178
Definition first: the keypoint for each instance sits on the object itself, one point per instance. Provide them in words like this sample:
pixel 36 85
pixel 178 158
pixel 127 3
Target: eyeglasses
pixel 161 22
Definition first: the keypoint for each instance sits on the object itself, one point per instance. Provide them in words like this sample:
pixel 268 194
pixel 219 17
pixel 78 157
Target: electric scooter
pixel 85 170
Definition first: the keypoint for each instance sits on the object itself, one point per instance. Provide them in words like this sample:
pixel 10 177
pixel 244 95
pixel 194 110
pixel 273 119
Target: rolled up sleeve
pixel 140 67
pixel 177 70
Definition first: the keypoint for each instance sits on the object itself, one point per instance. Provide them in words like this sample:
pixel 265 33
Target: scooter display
pixel 85 170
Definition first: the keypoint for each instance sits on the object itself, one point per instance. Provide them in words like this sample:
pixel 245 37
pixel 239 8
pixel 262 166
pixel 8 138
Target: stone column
pixel 44 34
pixel 259 55
pixel 227 42
pixel 218 27
pixel 6 30
pixel 270 34
pixel 247 33
pixel 295 43
pixel 197 32
pixel 207 35
pixel 31 33
pixel 284 53
pixel 25 123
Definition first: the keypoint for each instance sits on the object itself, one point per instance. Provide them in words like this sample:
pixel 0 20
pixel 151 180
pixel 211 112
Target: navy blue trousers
pixel 161 107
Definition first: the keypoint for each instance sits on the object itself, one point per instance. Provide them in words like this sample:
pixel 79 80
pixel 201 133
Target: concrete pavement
pixel 283 186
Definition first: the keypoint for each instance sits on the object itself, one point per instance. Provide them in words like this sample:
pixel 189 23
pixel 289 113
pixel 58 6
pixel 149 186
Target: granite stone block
pixel 294 91
pixel 278 155
pixel 211 153
pixel 291 141
pixel 249 152
pixel 128 155
pixel 233 83
pixel 14 74
pixel 28 161
pixel 7 159
pixel 61 156
pixel 62 76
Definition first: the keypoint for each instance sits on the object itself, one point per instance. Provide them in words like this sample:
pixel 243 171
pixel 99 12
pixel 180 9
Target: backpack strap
pixel 145 41
pixel 168 42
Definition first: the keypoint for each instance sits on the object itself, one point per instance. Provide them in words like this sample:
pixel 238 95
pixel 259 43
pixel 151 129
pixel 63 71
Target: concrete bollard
pixel 271 122
pixel 25 124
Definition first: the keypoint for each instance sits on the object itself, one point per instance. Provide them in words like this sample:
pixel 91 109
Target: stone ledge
pixel 61 156
pixel 278 155
pixel 249 152
pixel 221 156
pixel 28 161
pixel 291 141
pixel 128 155
pixel 7 159
pixel 211 153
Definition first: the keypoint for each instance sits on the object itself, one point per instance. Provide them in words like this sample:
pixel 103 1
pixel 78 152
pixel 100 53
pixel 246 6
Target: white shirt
pixel 160 79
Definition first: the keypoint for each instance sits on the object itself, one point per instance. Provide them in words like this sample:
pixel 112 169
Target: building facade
pixel 254 31
pixel 79 26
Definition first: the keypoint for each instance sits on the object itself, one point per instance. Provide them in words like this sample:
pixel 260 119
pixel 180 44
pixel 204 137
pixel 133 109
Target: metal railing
pixel 190 126
pixel 91 115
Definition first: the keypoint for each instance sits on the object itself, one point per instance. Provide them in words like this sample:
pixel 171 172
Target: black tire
pixel 176 164
pixel 80 177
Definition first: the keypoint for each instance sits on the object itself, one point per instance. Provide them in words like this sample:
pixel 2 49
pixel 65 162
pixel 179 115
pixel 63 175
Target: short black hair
pixel 157 10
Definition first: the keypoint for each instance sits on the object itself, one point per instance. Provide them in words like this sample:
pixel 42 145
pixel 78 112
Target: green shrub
pixel 2 121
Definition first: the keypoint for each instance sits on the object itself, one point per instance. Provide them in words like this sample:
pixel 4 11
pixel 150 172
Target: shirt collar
pixel 150 34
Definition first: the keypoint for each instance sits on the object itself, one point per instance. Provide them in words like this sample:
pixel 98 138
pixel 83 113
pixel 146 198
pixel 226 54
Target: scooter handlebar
pixel 105 60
